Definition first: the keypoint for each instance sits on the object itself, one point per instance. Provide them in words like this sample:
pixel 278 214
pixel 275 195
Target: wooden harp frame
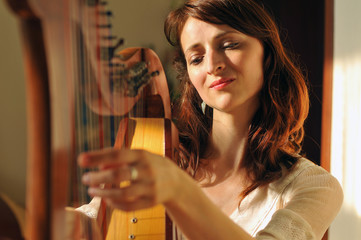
pixel 38 121
pixel 45 196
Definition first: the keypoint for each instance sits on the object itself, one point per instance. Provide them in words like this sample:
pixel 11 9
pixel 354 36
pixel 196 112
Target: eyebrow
pixel 216 37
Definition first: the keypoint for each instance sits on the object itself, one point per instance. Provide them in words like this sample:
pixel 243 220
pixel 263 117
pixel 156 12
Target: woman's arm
pixel 159 181
pixel 197 217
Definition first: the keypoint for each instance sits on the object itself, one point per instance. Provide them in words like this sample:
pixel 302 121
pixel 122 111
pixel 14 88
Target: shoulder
pixel 306 174
pixel 308 180
pixel 310 195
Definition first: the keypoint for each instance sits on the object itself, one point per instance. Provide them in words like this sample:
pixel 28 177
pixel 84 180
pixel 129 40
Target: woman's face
pixel 224 65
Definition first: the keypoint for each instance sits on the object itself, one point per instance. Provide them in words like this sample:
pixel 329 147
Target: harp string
pixel 89 128
pixel 99 106
pixel 101 125
pixel 85 121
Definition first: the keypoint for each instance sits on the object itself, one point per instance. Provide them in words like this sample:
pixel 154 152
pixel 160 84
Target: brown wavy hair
pixel 276 132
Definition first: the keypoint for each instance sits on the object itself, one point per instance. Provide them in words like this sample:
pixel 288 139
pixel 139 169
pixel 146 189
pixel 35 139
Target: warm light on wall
pixel 346 130
pixel 346 146
pixel 346 117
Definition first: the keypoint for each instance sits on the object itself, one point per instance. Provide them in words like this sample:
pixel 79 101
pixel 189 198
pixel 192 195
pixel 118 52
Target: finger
pixel 109 157
pixel 126 194
pixel 111 175
pixel 87 159
pixel 130 173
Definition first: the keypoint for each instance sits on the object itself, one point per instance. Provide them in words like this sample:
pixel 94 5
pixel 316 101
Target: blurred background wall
pixel 12 109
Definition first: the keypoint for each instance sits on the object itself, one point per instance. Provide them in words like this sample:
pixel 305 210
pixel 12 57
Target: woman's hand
pixel 130 179
pixel 156 180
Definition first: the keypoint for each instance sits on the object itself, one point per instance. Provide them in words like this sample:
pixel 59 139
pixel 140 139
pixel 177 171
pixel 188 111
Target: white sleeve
pixel 311 202
pixel 91 209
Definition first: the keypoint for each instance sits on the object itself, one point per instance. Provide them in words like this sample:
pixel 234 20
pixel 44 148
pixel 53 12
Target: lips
pixel 221 83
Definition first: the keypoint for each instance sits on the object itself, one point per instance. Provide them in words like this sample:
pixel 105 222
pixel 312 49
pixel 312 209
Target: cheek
pixel 259 76
pixel 252 69
pixel 197 79
pixel 256 79
pixel 259 63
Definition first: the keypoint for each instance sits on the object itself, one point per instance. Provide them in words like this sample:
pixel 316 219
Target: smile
pixel 219 84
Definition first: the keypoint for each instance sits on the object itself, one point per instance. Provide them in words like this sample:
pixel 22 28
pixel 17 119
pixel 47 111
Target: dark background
pixel 302 27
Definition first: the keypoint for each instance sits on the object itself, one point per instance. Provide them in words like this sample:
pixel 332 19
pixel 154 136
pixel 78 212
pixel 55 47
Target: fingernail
pixel 85 179
pixel 91 191
pixel 82 159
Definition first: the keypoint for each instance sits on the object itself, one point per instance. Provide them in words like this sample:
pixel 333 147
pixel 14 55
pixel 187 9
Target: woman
pixel 239 172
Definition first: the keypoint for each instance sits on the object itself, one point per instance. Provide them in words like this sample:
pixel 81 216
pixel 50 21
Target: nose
pixel 215 62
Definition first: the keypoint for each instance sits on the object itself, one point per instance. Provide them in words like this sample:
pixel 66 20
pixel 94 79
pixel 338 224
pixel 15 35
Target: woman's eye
pixel 230 45
pixel 195 60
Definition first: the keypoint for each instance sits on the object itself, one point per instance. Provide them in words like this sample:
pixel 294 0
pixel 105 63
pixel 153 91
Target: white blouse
pixel 300 205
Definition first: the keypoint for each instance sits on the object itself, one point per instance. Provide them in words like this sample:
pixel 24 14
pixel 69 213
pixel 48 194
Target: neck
pixel 227 145
pixel 230 131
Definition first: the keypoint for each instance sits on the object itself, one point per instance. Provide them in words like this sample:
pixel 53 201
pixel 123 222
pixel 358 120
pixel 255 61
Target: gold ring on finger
pixel 133 173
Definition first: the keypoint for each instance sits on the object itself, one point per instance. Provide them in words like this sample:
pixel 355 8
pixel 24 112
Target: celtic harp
pixel 85 93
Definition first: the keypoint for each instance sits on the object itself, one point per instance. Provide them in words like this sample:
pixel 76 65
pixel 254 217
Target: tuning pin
pixel 110 37
pixel 119 43
pixel 104 25
pixel 106 13
pixel 92 3
pixel 155 73
pixel 122 65
pixel 107 53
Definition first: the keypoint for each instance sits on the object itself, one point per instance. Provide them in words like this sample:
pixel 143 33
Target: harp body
pixel 74 105
pixel 148 223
